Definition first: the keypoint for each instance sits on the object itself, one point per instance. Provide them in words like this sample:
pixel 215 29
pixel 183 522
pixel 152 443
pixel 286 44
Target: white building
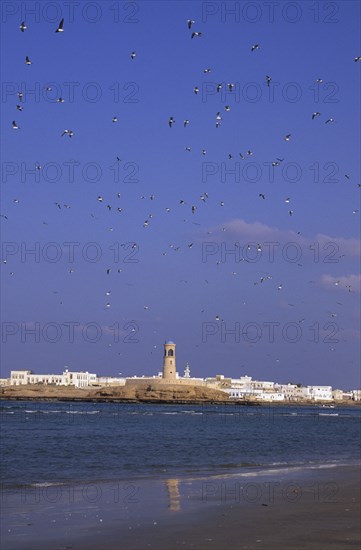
pixel 68 378
pixel 356 395
pixel 292 392
pixel 318 393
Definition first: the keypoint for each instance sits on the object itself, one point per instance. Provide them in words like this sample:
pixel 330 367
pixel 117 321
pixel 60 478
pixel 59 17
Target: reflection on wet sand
pixel 174 504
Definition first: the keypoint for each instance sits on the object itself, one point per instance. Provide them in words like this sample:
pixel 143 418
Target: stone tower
pixel 169 364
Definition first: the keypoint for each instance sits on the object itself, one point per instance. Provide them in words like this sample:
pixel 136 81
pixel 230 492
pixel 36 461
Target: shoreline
pixel 308 508
pixel 101 399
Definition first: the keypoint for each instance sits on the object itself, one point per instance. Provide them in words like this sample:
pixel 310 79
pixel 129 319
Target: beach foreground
pixel 314 508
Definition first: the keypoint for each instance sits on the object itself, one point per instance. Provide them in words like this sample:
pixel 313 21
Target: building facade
pixel 68 378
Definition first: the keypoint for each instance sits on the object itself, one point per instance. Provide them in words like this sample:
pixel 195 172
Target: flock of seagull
pixel 204 197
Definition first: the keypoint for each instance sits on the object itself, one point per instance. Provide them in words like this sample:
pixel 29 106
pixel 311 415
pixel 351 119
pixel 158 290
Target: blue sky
pixel 177 282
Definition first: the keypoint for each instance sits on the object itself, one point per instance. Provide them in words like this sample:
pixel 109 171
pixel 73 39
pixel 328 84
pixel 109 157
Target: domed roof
pixel 169 342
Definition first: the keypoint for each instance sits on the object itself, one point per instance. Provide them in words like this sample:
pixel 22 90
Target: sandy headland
pixel 129 393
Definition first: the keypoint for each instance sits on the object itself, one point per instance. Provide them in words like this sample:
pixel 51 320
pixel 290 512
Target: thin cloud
pixel 349 283
pixel 334 247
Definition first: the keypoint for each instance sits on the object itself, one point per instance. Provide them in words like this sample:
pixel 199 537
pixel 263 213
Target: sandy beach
pixel 289 509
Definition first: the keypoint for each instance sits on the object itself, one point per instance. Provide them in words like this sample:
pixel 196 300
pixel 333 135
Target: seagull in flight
pixel 287 137
pixel 60 27
pixel 255 47
pixel 358 58
pixel 186 122
pixel 261 195
pixel 19 107
pixel 190 22
pixel 132 55
pixel 115 119
pixel 330 120
pixel 171 121
pixel 196 34
pixel 27 60
pixel 23 27
pixel 268 80
pixel 315 114
pixel 15 126
pixel 69 133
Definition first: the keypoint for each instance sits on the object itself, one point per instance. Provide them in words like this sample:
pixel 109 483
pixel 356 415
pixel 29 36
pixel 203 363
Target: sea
pixel 54 443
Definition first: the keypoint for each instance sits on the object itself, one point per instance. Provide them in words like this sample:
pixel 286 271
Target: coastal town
pixel 242 389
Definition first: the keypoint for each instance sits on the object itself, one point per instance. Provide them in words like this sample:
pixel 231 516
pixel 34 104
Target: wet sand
pixel 282 509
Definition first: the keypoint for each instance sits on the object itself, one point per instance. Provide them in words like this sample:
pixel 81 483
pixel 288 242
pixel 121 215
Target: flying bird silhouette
pixel 60 27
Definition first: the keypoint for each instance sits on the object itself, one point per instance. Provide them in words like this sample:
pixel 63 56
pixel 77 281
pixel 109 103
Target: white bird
pixel 196 34
pixel 206 71
pixel 15 126
pixel 287 137
pixel 23 27
pixel 186 122
pixel 27 60
pixel 255 47
pixel 268 80
pixel 196 90
pixel 171 121
pixel 60 27
pixel 227 108
pixel 115 119
pixel 230 86
pixel 330 120
pixel 19 107
pixel 319 81
pixel 315 114
pixel 219 87
pixel 188 149
pixel 132 55
pixel 60 100
pixel 20 96
pixel 190 22
pixel 69 133
pixel 358 58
